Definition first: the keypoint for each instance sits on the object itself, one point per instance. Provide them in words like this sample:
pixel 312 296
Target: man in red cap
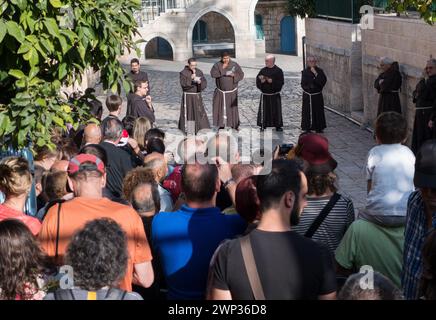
pixel 87 178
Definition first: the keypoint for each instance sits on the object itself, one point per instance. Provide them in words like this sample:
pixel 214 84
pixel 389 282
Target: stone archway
pixel 159 46
pixel 215 44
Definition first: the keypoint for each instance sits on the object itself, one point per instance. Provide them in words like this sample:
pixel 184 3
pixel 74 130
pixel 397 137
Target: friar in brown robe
pixel 193 117
pixel 227 75
pixel 388 85
pixel 270 81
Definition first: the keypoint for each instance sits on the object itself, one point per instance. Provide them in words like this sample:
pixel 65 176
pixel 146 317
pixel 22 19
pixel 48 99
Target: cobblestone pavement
pixel 348 142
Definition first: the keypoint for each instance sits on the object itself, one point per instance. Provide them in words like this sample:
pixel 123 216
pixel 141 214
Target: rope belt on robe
pixel 262 114
pixel 310 99
pixel 424 108
pixel 186 108
pixel 224 101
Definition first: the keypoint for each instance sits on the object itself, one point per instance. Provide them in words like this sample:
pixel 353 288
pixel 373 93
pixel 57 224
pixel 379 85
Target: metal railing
pixel 151 9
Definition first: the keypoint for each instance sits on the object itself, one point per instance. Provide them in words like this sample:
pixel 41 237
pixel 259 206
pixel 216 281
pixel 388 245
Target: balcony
pixel 151 9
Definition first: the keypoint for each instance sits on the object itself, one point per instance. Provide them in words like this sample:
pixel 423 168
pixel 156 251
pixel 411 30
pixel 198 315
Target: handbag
pixel 322 215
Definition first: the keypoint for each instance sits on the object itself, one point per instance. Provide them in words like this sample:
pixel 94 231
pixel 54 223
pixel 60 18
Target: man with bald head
pixel 270 81
pixel 92 134
pixel 186 239
pixel 388 85
pixel 60 166
pixel 157 163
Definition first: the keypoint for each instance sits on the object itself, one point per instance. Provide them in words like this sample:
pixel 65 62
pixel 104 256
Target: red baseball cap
pixel 85 162
pixel 314 148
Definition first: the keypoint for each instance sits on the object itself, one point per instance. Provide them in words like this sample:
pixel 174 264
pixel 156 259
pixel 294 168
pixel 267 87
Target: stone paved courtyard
pixel 348 142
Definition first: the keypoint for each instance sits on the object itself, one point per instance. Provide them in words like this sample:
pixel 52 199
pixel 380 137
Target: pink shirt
pixel 32 223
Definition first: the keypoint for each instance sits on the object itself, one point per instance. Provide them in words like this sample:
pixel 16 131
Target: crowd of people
pixel 133 223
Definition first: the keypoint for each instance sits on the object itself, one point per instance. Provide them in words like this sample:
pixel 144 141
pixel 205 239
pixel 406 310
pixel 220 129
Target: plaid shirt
pixel 415 234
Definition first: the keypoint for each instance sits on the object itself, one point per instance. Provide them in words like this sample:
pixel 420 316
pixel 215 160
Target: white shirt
pixel 391 168
pixel 166 202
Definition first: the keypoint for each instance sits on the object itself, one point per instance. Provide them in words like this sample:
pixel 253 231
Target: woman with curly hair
pixel 22 263
pixel 98 257
pixel 15 183
pixel 322 195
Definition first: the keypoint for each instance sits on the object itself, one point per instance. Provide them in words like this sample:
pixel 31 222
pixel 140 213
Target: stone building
pixel 350 53
pixel 179 29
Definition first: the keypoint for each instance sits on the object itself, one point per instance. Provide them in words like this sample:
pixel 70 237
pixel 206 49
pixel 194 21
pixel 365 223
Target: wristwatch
pixel 228 182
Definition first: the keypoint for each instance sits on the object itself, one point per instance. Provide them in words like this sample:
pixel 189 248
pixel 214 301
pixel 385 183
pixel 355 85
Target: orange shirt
pixel 77 212
pixel 32 223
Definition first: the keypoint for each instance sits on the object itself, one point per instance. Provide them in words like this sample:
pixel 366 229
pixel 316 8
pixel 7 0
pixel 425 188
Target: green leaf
pixel 16 73
pixel 21 102
pixel 25 47
pixel 21 83
pixel 3 30
pixel 15 30
pixel 58 121
pixel 62 70
pixel 40 142
pixel 33 72
pixel 41 102
pixel 64 45
pixel 82 51
pixel 30 22
pixel 48 46
pixel 52 27
pixel 56 3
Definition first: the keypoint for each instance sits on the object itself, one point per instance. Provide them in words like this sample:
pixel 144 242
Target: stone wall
pixel 338 49
pixel 406 40
pixel 272 13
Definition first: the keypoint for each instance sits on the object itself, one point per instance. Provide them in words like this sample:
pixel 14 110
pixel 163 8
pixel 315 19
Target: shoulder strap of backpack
pixel 115 294
pixel 322 215
pixel 250 266
pixel 57 229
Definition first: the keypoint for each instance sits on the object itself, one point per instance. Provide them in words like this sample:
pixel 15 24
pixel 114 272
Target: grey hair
pixel 432 61
pixel 383 289
pixel 112 129
pixel 271 56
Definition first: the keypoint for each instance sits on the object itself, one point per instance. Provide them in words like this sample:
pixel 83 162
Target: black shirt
pixel 119 163
pixel 141 109
pixel 290 267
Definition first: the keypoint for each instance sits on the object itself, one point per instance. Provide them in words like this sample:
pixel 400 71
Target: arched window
pixel 200 32
pixel 258 22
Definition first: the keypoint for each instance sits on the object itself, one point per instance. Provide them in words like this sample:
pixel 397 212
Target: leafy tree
pixel 426 8
pixel 47 44
pixel 302 8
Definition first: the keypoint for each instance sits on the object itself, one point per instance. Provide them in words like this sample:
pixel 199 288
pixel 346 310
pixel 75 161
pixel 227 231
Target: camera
pixel 284 149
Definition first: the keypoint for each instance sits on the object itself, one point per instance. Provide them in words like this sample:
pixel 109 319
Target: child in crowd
pixel 389 171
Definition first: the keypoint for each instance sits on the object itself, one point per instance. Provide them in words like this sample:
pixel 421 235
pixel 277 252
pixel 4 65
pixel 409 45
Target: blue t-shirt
pixel 185 241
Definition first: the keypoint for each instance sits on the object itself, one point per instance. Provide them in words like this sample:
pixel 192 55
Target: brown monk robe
pixel 225 99
pixel 270 81
pixel 388 85
pixel 193 117
pixel 425 98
